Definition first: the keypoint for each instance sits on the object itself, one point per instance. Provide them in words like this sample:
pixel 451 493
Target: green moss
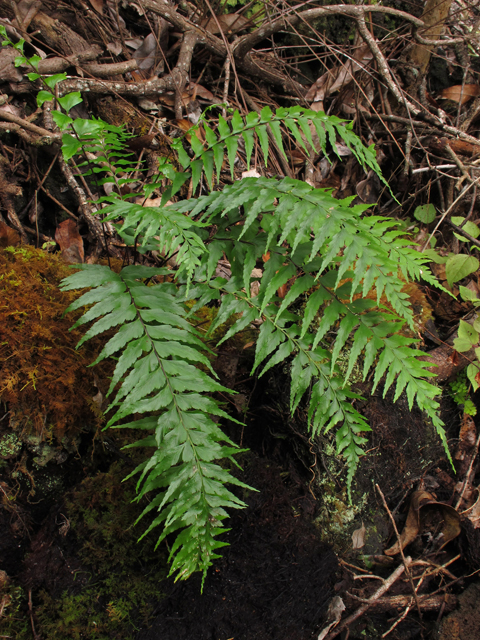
pixel 10 445
pixel 120 578
pixel 14 620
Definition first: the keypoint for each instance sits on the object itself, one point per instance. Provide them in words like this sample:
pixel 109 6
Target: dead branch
pixel 88 214
pixel 113 69
pixel 57 65
pixel 245 44
pixel 366 605
pixel 34 141
pixel 429 603
pixel 25 124
pixel 407 570
pixel 7 193
pixel 180 73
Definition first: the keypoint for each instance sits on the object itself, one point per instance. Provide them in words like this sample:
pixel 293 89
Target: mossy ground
pixel 113 581
pixel 44 380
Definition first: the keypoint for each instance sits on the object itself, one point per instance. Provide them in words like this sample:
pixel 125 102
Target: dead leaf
pixel 98 399
pixel 466 438
pixel 12 109
pixel 115 47
pixel 26 12
pixel 134 43
pixel 117 20
pixel 223 270
pixel 198 91
pixel 317 92
pixel 342 150
pixel 229 23
pixel 367 190
pixel 146 53
pixel 70 241
pixel 422 504
pixel 97 5
pixel 8 236
pixel 334 615
pixel 361 57
pixel 473 513
pixel 337 78
pixel 358 537
pixel 251 173
pixel 461 93
pixel 148 105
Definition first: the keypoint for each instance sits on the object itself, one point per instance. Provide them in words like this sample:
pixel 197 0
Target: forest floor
pixel 401 559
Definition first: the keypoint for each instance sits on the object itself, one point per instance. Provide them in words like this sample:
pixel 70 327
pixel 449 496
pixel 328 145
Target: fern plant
pixel 331 255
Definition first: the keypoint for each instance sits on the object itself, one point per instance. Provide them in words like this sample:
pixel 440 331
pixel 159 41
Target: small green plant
pixel 469 338
pixel 460 390
pixel 329 254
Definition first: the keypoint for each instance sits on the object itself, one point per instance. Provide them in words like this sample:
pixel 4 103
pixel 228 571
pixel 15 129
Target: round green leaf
pixel 70 146
pixel 469 227
pixel 70 100
pixel 472 372
pixel 459 267
pixel 462 344
pixel 43 96
pixel 34 60
pixel 51 81
pixel 467 332
pixel 61 120
pixel 425 213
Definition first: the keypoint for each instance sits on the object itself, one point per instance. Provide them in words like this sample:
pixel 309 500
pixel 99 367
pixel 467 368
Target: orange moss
pixel 43 380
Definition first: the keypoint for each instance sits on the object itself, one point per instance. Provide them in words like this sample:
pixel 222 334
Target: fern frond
pixel 157 372
pixel 334 254
pixel 311 131
pixel 330 402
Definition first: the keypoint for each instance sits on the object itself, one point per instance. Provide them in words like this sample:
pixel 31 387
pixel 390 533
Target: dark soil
pixel 272 583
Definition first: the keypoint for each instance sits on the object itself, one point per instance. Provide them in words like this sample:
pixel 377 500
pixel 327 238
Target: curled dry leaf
pixel 367 190
pixel 70 241
pixel 8 236
pixel 358 537
pixel 97 5
pixel 422 504
pixel 334 614
pixel 473 512
pixel 461 93
pixel 115 47
pixel 145 54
